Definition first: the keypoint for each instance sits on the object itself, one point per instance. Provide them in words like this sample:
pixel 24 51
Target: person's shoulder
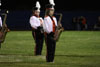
pixel 54 17
pixel 40 18
pixel 46 17
pixel 33 17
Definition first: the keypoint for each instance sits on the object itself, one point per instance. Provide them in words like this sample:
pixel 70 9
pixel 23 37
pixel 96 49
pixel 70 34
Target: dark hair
pixel 48 6
pixel 34 8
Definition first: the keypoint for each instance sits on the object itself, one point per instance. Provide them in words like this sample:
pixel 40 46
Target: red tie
pixel 53 22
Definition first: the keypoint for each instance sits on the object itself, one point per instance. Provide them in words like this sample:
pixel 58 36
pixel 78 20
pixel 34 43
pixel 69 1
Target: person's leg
pixel 39 43
pixel 51 44
pixel 34 34
pixel 41 40
pixel 34 37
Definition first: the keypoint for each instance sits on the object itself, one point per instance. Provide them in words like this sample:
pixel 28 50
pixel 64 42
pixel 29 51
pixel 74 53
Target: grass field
pixel 74 49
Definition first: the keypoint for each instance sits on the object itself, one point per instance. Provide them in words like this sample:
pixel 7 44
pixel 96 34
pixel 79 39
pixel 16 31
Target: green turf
pixel 74 49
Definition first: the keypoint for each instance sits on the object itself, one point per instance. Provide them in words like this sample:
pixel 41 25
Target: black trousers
pixel 51 45
pixel 39 38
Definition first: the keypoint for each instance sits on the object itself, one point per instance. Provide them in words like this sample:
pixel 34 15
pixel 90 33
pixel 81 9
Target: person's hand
pixel 60 25
pixel 8 30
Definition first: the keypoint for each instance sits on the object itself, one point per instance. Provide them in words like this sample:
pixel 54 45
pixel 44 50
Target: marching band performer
pixel 49 25
pixel 0 21
pixel 0 17
pixel 36 23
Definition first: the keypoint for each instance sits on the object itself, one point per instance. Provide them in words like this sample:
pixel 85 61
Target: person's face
pixel 37 13
pixel 51 12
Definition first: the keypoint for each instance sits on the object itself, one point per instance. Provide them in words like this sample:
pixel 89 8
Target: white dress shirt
pixel 48 24
pixel 36 22
pixel 0 22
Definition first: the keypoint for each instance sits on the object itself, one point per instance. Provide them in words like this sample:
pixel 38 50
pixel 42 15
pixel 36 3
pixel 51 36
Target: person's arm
pixel 0 22
pixel 41 22
pixel 46 26
pixel 33 22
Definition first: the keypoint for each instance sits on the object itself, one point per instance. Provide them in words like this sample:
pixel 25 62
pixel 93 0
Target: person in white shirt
pixel 0 22
pixel 49 27
pixel 36 23
pixel 0 27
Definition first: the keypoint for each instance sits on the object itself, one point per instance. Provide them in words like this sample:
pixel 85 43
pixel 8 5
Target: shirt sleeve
pixel 33 22
pixel 0 22
pixel 46 26
pixel 42 19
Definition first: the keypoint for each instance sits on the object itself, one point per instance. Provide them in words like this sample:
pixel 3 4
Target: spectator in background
pixel 74 21
pixel 79 23
pixel 97 25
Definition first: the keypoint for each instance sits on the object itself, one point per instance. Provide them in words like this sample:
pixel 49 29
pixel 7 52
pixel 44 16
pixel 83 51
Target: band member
pixel 36 23
pixel 0 18
pixel 97 25
pixel 49 26
pixel 3 27
pixel 0 21
pixel 0 27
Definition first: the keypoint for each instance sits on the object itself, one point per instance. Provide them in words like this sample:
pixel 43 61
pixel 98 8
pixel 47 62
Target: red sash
pixel 53 22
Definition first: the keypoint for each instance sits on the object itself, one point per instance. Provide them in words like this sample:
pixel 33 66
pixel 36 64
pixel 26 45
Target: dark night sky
pixel 69 5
